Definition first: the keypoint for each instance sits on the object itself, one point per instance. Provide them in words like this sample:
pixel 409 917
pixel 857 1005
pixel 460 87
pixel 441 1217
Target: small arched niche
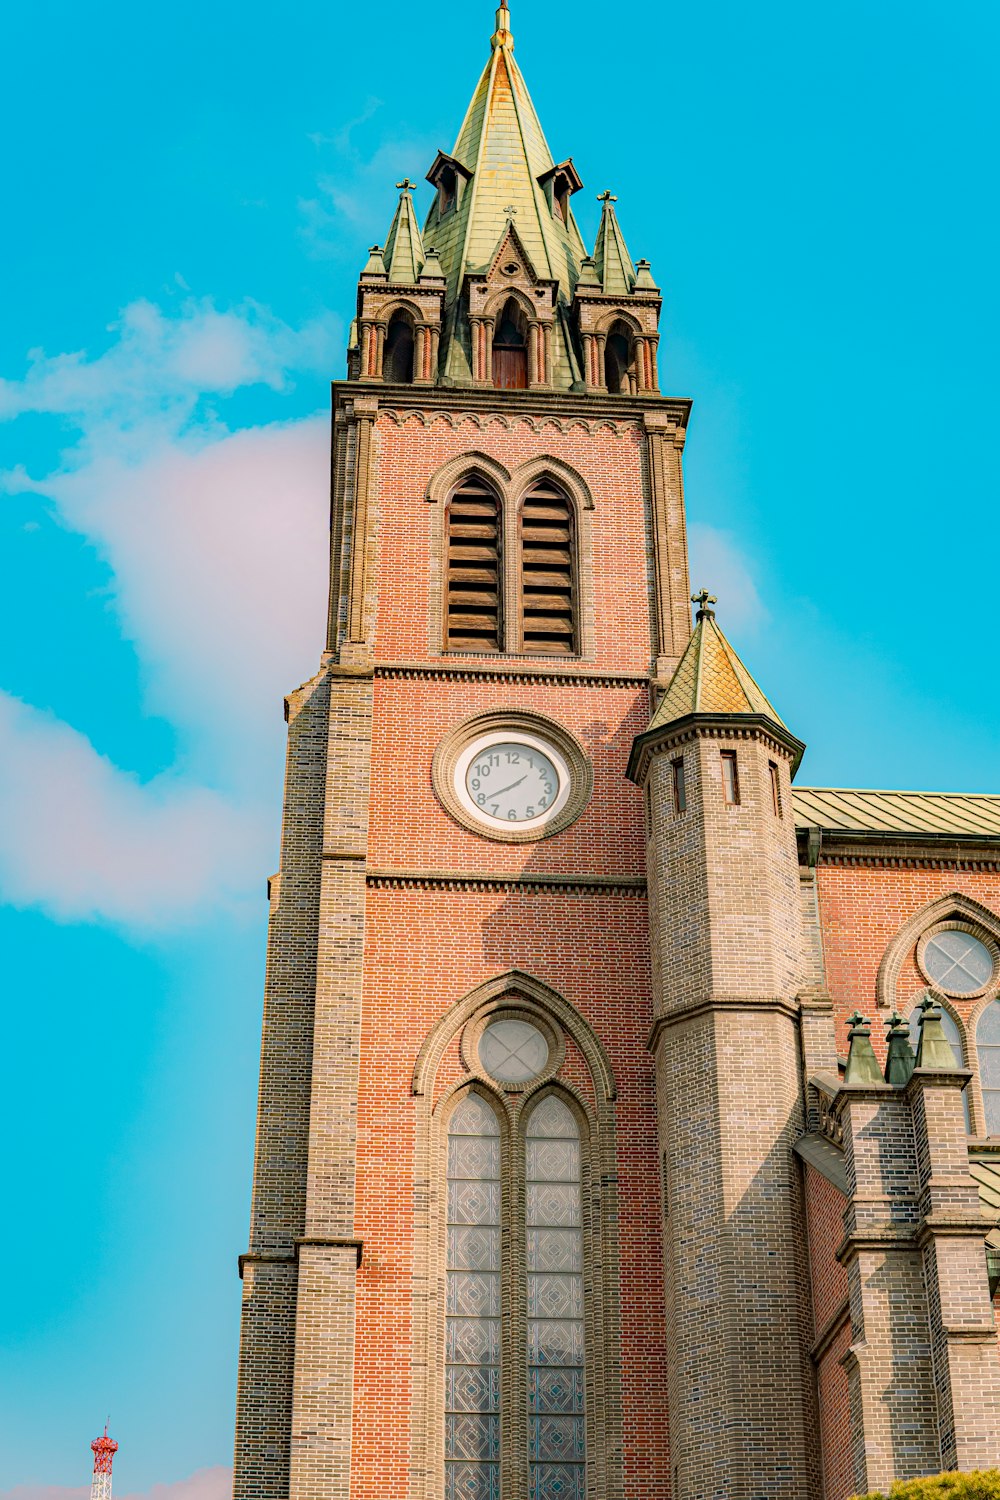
pixel 510 348
pixel 397 362
pixel 619 361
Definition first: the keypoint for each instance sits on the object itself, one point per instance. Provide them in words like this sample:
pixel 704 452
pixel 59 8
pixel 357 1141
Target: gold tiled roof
pixel 962 815
pixel 710 679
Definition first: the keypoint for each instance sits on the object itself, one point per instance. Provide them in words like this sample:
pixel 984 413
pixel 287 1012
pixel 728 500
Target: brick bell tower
pixel 454 1285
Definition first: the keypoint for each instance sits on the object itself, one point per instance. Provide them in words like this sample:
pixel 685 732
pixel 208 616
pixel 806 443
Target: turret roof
pixel 711 679
pixel 404 251
pixel 615 270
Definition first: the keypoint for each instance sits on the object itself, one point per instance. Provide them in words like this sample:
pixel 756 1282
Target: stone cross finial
pixel 607 197
pixel 703 599
pixel 856 1021
pixel 406 186
pixel 510 211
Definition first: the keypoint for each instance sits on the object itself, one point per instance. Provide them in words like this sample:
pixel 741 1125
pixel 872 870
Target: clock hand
pixel 509 788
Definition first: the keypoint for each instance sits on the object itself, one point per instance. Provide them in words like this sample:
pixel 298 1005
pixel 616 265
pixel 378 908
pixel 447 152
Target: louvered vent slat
pixel 547 573
pixel 473 570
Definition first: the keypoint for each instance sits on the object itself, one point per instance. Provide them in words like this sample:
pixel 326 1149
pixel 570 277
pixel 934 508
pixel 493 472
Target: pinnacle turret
pixel 615 271
pixel 404 250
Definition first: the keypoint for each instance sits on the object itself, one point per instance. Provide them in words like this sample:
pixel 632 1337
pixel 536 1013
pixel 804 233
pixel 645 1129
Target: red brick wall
pixel 424 950
pixel 610 462
pixel 861 910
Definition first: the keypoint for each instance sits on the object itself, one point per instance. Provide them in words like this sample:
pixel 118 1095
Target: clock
pixel 512 780
pixel 512 776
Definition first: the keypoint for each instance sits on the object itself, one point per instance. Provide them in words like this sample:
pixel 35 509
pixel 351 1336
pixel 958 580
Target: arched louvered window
pixel 548 572
pixel 474 620
pixel 397 360
pixel 554 1261
pixel 472 1326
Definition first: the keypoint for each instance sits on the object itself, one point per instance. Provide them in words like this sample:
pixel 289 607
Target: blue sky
pixel 190 195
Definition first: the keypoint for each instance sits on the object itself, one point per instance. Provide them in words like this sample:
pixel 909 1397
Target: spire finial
pixel 503 36
pixel 406 186
pixel 607 198
pixel 703 599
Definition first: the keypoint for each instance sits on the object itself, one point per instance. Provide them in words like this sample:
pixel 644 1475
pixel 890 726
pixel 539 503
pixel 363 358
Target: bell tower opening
pixel 619 367
pixel 510 349
pixel 397 365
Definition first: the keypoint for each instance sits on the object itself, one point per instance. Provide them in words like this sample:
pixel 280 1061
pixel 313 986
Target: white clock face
pixel 512 780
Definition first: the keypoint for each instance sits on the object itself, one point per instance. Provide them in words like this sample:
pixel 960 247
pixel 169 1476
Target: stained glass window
pixel 988 1052
pixel 472 1328
pixel 556 1439
pixel 958 962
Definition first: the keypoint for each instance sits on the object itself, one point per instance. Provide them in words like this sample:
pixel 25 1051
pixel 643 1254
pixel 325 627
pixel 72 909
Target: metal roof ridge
pixel 889 791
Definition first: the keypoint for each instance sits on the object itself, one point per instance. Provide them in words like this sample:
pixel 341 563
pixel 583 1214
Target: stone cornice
pixel 716 726
pixel 695 1008
pixel 535 403
pixel 518 671
pixel 535 883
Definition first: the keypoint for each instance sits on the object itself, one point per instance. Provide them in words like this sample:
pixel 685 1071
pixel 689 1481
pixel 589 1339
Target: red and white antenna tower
pixel 104 1450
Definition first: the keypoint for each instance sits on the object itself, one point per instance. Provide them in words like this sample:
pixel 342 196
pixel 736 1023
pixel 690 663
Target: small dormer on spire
pixel 616 307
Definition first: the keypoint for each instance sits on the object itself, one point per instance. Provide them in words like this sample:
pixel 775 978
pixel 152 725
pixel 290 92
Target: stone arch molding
pixel 534 990
pixel 953 907
pixel 511 484
pixel 618 315
pixel 497 301
pixel 441 484
pixel 533 469
pixel 401 305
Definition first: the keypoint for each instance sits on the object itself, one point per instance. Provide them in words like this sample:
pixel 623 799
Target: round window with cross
pixel 958 960
pixel 513 1051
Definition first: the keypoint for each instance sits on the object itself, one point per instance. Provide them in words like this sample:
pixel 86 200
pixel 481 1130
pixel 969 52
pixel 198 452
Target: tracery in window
pixel 554 1261
pixel 988 1056
pixel 472 1320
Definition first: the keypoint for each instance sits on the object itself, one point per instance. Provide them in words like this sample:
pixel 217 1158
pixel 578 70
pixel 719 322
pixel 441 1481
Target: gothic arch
pixel 598 1182
pixel 955 906
pixel 496 990
pixel 401 305
pixel 497 301
pixel 441 484
pixel 618 315
pixel 533 469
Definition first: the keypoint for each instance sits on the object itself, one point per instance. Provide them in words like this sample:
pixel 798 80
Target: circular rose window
pixel 957 962
pixel 513 1051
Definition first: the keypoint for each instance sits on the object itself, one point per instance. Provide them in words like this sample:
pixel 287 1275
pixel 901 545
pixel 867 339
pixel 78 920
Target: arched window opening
pixel 619 364
pixel 953 1036
pixel 397 361
pixel 510 349
pixel 472 1319
pixel 554 1263
pixel 988 1057
pixel 474 574
pixel 548 572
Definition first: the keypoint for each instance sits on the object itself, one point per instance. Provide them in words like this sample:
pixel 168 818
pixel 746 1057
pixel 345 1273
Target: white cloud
pixel 217 544
pixel 718 564
pixel 206 1484
pixel 85 840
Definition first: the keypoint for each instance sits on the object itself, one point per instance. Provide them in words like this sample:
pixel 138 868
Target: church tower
pixel 493 1208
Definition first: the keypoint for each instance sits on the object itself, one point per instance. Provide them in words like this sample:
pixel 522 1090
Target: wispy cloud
pixel 206 1484
pixel 718 563
pixel 216 541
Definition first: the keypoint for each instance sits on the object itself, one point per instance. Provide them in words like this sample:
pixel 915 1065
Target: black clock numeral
pixel 496 809
pixel 529 812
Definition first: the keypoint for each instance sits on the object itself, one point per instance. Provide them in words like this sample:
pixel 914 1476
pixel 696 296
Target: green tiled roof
pixel 615 270
pixel 958 815
pixel 710 679
pixel 502 145
pixel 404 252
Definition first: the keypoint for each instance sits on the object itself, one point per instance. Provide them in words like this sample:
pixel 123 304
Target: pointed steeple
pixel 615 270
pixel 404 251
pixel 501 162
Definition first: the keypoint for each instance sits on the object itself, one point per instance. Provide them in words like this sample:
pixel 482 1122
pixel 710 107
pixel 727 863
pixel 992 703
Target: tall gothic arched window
pixel 554 1260
pixel 510 349
pixel 988 1057
pixel 472 1322
pixel 510 1307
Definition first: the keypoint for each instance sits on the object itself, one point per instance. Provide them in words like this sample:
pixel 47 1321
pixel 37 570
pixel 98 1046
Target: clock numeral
pixel 475 783
pixel 496 809
pixel 513 759
pixel 484 769
pixel 481 798
pixel 529 811
pixel 543 801
pixel 512 815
